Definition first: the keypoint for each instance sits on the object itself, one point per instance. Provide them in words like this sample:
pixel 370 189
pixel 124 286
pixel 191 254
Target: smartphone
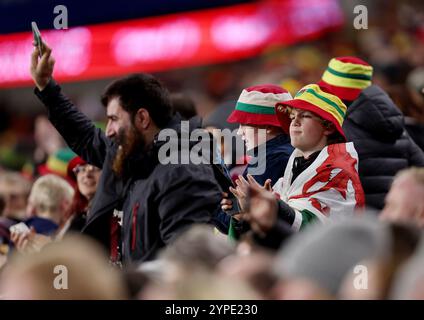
pixel 37 37
pixel 235 209
pixel 19 228
pixel 225 182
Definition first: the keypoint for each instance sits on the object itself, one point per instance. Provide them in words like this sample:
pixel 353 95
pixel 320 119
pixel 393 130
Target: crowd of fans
pixel 336 213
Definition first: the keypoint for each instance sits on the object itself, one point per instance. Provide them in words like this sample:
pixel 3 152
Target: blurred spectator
pixel 47 140
pixel 193 256
pixel 84 273
pixel 14 189
pixel 57 164
pixel 254 269
pixel 86 178
pixel 220 82
pixel 230 150
pixel 409 283
pixel 184 105
pixel 200 285
pixel 415 87
pixel 50 201
pixel 314 263
pixel 374 124
pixel 405 200
pixel 381 271
pixel 196 251
pixel 13 157
pixel 196 248
pixel 135 281
pixel 414 107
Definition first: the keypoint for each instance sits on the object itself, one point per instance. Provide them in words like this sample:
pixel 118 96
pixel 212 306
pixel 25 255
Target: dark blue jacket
pixel 42 225
pixel 278 151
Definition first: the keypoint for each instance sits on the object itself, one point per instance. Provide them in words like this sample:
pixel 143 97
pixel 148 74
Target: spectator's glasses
pixel 85 169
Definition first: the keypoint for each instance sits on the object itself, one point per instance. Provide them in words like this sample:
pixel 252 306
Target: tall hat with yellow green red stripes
pixel 57 163
pixel 346 77
pixel 312 98
pixel 255 106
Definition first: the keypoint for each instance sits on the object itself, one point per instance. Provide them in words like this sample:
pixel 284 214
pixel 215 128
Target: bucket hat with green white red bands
pixel 256 106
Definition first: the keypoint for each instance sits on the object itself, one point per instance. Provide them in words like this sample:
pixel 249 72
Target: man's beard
pixel 128 143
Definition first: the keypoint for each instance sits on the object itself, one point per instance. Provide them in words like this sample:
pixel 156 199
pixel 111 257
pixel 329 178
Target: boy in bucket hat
pixel 374 124
pixel 321 180
pixel 255 111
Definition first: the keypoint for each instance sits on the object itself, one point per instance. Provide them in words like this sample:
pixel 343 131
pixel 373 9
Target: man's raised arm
pixel 79 132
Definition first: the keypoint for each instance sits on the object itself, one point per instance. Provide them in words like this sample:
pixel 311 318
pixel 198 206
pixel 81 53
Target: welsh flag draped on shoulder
pixel 329 188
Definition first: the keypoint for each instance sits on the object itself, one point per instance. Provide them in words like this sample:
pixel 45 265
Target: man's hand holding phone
pixel 229 204
pixel 42 63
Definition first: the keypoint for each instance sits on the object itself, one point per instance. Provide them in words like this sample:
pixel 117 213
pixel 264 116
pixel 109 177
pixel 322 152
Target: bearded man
pixel 158 201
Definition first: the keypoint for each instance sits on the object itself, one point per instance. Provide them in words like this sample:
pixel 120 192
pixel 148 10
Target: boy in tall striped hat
pixel 374 124
pixel 321 180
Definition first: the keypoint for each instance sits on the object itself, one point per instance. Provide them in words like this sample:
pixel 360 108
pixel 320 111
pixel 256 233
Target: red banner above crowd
pixel 171 41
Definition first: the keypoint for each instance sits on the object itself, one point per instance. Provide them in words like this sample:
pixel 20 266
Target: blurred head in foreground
pixel 405 201
pixel 75 268
pixel 409 282
pixel 315 262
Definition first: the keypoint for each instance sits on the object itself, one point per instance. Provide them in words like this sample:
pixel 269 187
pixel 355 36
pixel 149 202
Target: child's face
pixel 251 135
pixel 307 132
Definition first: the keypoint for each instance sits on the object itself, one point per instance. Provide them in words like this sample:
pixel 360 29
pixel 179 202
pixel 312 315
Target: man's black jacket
pixel 158 201
pixel 376 127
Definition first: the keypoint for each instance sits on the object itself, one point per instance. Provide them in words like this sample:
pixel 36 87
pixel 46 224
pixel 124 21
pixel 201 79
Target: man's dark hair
pixel 141 91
